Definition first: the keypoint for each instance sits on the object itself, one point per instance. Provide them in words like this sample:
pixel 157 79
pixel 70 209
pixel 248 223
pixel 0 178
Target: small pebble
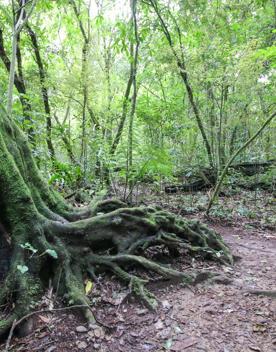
pixel 81 345
pixel 81 328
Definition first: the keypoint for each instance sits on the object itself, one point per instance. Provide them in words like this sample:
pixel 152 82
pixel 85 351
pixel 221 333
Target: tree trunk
pixel 232 158
pixel 44 91
pixel 21 88
pixel 181 63
pixel 129 176
pixel 84 79
pixel 50 239
pixel 66 139
pixel 124 109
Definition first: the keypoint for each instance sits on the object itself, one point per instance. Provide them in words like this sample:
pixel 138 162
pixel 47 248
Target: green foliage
pixel 229 53
pixel 268 54
pixel 22 268
pixel 29 247
pixel 268 177
pixel 159 163
pixel 222 213
pixel 52 253
pixel 65 175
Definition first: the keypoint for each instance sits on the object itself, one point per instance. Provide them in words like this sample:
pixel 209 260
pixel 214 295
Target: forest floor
pixel 208 317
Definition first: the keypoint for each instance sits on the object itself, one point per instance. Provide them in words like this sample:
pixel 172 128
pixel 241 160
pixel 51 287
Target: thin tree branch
pixel 249 141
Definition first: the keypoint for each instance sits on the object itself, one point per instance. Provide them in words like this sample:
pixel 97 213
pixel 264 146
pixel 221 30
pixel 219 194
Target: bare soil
pixel 210 317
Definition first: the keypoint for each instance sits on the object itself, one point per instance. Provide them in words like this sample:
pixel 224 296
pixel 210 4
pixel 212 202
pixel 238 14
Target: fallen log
pixel 206 178
pixel 252 168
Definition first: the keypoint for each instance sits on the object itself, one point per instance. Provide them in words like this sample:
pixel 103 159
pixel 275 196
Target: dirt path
pixel 212 318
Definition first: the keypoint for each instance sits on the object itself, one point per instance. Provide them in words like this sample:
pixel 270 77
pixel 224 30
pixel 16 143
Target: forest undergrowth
pixel 246 221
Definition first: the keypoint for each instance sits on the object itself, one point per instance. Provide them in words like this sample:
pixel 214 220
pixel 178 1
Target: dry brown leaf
pixel 44 319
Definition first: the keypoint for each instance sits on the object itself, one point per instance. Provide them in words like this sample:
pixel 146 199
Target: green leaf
pixel 168 344
pixel 88 287
pixel 29 247
pixel 22 268
pixel 52 253
pixel 99 20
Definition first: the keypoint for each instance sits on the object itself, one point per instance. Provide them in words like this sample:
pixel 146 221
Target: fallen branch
pixel 250 140
pixel 29 315
pixel 268 293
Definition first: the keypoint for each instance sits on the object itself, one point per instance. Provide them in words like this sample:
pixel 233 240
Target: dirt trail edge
pixel 209 317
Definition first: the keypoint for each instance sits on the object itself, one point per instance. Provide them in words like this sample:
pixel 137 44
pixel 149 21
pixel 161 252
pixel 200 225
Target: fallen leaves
pixel 88 287
pixel 82 345
pixel 182 345
pixel 44 319
pixel 259 328
pixel 81 329
pixel 216 317
pixel 159 325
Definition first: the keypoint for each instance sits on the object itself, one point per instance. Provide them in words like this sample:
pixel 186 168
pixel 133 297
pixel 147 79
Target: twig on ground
pixel 16 323
pixel 10 335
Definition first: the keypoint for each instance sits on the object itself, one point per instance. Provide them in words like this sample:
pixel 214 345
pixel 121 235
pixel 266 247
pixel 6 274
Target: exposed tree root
pixel 115 238
pixel 51 240
pixel 268 293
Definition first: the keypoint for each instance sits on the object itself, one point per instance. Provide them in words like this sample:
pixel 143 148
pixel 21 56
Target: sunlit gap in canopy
pixel 110 9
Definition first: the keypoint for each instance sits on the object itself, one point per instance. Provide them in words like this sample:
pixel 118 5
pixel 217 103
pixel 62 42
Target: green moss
pixel 32 211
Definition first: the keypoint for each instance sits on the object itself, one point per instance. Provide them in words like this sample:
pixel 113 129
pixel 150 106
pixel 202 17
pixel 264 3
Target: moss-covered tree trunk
pixel 72 243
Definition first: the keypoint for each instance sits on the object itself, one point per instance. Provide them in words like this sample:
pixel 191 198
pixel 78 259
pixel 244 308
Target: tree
pixel 19 22
pixel 51 239
pixel 84 79
pixel 44 90
pixel 233 157
pixel 129 178
pixel 20 17
pixel 19 84
pixel 227 73
pixel 181 63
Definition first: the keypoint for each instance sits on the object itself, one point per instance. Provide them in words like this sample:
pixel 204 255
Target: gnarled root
pixel 114 238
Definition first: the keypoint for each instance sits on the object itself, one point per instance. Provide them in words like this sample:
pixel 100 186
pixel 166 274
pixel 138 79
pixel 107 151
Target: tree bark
pixel 180 61
pixel 126 99
pixel 48 237
pixel 44 91
pixel 66 142
pixel 84 73
pixel 21 88
pixel 129 178
pixel 232 158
